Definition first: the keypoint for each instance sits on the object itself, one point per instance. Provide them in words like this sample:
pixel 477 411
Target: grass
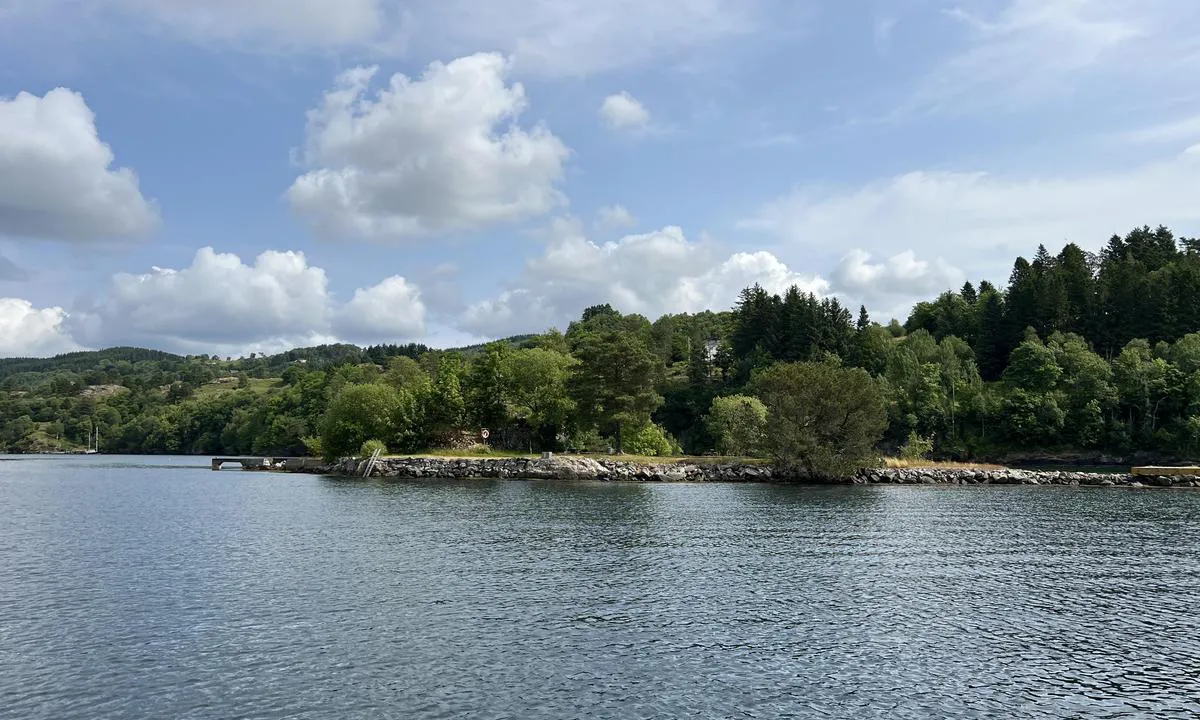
pixel 482 452
pixel 255 385
pixel 902 463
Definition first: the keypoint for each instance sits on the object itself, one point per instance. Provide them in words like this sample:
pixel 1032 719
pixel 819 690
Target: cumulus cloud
pixel 895 280
pixel 387 311
pixel 56 176
pixel 614 216
pixel 623 112
pixel 652 273
pixel 221 304
pixel 26 331
pixel 982 221
pixel 436 154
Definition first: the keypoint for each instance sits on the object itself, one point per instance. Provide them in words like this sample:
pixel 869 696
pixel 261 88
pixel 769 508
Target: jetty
pixel 271 464
pixel 247 463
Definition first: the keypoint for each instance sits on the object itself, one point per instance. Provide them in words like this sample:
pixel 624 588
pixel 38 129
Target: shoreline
pixel 587 469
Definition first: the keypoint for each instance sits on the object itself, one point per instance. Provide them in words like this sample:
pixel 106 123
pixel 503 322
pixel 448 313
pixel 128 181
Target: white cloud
pixel 252 24
pixel 623 112
pixel 221 305
pixel 559 38
pixel 1035 50
pixel 979 220
pixel 1174 131
pixel 388 312
pixel 651 274
pixel 56 179
pixel 437 154
pixel 314 22
pixel 882 29
pixel 580 37
pixel 26 331
pixel 896 280
pixel 614 216
pixel 218 300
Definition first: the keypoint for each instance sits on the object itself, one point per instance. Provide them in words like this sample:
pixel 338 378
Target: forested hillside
pixel 1077 352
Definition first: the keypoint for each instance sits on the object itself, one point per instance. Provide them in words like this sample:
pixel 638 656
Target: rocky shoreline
pixel 602 470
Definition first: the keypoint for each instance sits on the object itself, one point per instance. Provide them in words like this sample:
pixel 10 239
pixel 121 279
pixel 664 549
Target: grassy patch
pixel 254 385
pixel 479 452
pixel 900 464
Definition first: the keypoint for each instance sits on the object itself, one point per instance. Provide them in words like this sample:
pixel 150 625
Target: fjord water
pixel 155 588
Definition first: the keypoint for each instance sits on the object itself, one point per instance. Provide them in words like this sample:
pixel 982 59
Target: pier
pixel 270 464
pixel 247 463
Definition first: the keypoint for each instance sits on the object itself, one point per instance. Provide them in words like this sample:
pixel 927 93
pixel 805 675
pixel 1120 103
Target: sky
pixel 236 176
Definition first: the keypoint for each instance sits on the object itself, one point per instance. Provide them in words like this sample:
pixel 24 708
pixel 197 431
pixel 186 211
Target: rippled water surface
pixel 155 588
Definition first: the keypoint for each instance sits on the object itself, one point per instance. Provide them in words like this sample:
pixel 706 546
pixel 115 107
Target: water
pixel 155 588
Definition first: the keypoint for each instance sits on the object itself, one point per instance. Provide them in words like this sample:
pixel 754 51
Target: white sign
pixel 484 433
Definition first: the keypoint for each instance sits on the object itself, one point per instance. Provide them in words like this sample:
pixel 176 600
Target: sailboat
pixel 95 450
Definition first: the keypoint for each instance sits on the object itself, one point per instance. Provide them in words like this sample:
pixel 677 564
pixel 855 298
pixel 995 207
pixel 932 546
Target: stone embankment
pixel 564 468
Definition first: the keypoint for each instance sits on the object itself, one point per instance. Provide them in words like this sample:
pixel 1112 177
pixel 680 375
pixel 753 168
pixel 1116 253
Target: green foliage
pixel 446 409
pixel 738 422
pixel 613 385
pixel 537 385
pixel 1078 350
pixel 357 414
pixel 916 447
pixel 649 440
pixel 821 419
pixel 371 446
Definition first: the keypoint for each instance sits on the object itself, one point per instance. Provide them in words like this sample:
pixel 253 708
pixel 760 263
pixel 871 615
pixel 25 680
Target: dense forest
pixel 1079 352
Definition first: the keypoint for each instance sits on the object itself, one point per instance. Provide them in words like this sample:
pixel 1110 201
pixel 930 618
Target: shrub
pixel 739 423
pixel 649 439
pixel 916 447
pixel 313 446
pixel 369 447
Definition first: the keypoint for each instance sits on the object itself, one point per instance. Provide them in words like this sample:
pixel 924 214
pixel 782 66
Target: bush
pixel 313 446
pixel 369 447
pixel 739 423
pixel 916 447
pixel 649 439
pixel 821 419
pixel 357 414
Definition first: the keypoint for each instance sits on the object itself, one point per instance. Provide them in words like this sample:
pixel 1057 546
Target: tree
pixel 359 413
pixel 405 373
pixel 821 418
pixel 537 383
pixel 613 385
pixel 487 388
pixel 738 422
pixel 446 408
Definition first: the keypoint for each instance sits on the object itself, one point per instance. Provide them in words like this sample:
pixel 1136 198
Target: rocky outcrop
pixel 603 470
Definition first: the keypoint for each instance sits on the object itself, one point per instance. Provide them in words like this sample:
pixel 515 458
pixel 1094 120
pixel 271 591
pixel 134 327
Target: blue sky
pixel 233 176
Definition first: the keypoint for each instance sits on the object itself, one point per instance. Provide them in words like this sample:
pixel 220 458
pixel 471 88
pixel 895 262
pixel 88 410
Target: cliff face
pixel 559 468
